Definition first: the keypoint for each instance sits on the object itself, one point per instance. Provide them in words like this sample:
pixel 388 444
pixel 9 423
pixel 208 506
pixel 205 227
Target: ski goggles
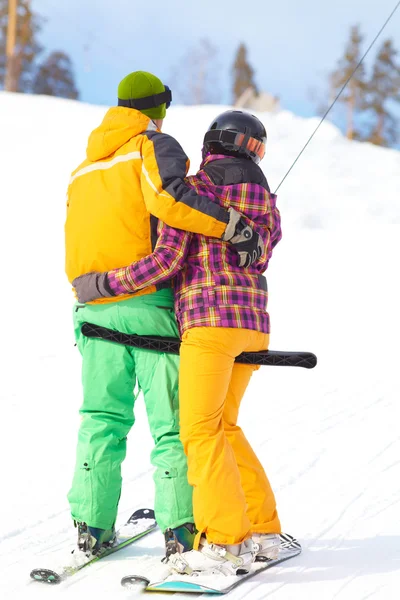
pixel 238 142
pixel 250 146
pixel 164 97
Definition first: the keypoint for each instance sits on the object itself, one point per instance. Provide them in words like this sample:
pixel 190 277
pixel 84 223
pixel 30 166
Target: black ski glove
pixel 247 242
pixel 92 286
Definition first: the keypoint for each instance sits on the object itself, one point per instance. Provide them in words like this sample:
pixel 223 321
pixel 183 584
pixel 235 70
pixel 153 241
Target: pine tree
pixel 54 77
pixel 243 74
pixel 353 96
pixel 384 87
pixel 27 47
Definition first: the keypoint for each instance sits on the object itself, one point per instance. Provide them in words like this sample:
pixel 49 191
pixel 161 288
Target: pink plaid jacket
pixel 210 289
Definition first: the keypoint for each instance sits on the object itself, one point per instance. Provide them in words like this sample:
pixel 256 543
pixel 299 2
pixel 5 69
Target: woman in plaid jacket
pixel 221 312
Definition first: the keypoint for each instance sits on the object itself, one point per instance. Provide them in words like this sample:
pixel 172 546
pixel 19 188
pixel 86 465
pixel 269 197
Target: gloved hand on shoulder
pixel 247 242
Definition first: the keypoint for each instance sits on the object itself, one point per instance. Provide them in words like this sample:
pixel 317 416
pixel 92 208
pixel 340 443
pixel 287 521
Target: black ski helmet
pixel 236 133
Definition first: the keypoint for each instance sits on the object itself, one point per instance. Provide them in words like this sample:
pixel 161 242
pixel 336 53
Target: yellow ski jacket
pixel 132 176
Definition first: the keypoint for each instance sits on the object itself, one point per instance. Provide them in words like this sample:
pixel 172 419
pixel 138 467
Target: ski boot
pixel 215 559
pixel 92 539
pixel 179 539
pixel 266 545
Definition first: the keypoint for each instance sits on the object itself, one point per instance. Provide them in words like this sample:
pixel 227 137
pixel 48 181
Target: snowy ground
pixel 329 437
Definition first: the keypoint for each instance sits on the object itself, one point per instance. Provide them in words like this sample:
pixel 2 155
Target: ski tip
pixel 45 576
pixel 130 581
pixel 142 513
pixel 288 541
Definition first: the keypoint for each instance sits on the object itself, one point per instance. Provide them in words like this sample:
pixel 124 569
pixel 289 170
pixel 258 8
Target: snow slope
pixel 329 437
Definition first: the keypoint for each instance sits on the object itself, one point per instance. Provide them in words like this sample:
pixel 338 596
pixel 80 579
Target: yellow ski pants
pixel 232 497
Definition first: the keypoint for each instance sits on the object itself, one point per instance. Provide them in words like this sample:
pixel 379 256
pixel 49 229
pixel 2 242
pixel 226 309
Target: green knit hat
pixel 141 84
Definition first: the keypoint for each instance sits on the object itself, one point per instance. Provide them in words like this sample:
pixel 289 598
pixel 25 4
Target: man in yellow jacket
pixel 132 176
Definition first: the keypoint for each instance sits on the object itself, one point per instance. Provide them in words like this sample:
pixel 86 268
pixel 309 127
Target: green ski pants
pixel 109 374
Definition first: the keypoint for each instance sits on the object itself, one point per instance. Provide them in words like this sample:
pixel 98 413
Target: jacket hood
pixel 119 125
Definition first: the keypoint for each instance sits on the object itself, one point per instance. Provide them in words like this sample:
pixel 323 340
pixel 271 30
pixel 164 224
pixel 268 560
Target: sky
pixel 328 437
pixel 292 45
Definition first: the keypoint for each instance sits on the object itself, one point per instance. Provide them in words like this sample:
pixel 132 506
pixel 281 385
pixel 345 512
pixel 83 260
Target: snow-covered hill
pixel 329 437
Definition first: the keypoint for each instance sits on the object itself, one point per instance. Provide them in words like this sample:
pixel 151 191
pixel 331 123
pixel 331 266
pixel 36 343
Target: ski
pixel 215 584
pixel 139 524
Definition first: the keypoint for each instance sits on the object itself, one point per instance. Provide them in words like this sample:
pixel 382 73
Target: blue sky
pixel 292 45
